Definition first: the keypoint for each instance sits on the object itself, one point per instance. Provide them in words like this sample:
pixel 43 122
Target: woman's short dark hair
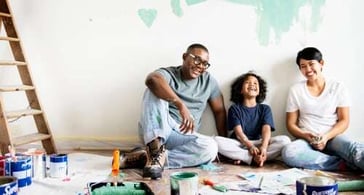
pixel 236 95
pixel 309 53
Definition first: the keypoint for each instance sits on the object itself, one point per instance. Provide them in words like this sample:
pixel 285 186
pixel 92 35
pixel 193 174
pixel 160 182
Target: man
pixel 173 105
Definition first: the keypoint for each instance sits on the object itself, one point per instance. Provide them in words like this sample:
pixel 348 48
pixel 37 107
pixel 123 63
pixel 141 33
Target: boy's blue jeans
pixel 339 151
pixel 184 150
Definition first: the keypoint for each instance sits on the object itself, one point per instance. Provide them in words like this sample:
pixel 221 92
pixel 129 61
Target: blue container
pixel 21 168
pixel 58 165
pixel 316 185
pixel 8 185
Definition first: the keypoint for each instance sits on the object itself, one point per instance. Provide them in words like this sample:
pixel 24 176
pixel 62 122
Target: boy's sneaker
pixel 136 158
pixel 156 157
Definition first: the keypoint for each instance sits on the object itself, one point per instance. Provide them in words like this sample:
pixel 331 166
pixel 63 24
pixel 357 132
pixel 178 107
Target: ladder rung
pixel 9 39
pixel 25 139
pixel 5 14
pixel 7 62
pixel 20 113
pixel 10 88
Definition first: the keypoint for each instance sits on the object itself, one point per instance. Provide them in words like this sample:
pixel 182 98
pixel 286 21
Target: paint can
pixel 39 164
pixel 58 165
pixel 316 185
pixel 184 183
pixel 21 168
pixel 8 185
pixel 4 167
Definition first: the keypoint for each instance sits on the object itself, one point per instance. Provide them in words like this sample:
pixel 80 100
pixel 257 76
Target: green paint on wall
pixel 316 5
pixel 245 2
pixel 176 8
pixel 277 16
pixel 148 16
pixel 192 2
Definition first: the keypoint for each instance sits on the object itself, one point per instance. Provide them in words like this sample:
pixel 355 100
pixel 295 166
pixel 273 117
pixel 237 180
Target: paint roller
pixel 345 186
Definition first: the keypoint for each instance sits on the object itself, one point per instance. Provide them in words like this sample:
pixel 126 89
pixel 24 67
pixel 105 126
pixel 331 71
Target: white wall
pixel 89 58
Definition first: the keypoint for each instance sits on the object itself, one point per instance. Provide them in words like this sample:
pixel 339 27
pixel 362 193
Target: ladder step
pixel 18 63
pixel 10 88
pixel 26 139
pixel 2 14
pixel 21 113
pixel 9 39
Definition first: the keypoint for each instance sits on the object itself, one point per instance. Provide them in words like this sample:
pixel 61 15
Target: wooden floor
pixel 228 173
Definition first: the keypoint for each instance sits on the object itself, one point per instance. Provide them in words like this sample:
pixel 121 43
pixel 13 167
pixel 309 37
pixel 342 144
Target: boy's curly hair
pixel 236 95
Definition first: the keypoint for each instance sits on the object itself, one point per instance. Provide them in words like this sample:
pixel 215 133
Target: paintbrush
pixel 219 188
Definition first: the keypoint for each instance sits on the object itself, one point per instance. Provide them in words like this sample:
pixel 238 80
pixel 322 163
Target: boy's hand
pixel 253 150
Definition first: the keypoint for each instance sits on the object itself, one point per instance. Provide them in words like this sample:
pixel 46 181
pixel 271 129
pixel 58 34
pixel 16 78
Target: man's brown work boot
pixel 155 160
pixel 136 158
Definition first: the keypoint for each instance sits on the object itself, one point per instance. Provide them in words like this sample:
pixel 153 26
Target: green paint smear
pixel 176 8
pixel 278 15
pixel 148 16
pixel 192 2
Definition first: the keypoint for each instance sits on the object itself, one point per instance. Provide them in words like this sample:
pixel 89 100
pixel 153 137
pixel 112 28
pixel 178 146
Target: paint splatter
pixel 148 16
pixel 192 2
pixel 274 17
pixel 176 8
pixel 277 16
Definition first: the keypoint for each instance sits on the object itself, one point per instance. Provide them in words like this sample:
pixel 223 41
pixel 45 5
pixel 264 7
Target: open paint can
pixel 184 183
pixel 8 185
pixel 316 185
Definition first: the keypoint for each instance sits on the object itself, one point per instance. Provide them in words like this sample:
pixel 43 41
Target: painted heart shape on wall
pixel 148 16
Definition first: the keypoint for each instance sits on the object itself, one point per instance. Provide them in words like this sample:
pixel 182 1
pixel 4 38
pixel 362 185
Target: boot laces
pixel 157 156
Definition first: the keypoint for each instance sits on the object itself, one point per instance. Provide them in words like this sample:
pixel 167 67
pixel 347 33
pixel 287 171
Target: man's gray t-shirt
pixel 194 93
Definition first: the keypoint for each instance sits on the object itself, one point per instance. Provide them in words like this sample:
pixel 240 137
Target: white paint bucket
pixel 58 165
pixel 184 183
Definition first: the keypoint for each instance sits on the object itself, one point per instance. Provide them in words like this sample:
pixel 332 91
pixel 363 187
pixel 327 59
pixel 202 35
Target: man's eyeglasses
pixel 197 61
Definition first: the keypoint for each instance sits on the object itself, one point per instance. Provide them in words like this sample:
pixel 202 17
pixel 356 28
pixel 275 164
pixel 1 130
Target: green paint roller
pixel 352 185
pixel 122 188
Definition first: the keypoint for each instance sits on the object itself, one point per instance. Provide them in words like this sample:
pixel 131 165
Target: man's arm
pixel 219 111
pixel 160 88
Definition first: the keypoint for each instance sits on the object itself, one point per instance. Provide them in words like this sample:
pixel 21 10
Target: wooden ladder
pixel 34 109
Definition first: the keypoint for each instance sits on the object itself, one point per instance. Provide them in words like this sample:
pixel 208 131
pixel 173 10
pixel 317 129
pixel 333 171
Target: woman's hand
pixel 320 142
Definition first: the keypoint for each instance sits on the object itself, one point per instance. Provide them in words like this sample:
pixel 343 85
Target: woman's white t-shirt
pixel 317 114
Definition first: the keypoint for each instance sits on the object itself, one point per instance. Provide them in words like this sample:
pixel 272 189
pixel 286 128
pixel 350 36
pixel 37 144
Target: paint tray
pixel 127 188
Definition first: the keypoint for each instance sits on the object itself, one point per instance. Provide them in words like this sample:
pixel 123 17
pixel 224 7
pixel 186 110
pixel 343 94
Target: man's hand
pixel 188 121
